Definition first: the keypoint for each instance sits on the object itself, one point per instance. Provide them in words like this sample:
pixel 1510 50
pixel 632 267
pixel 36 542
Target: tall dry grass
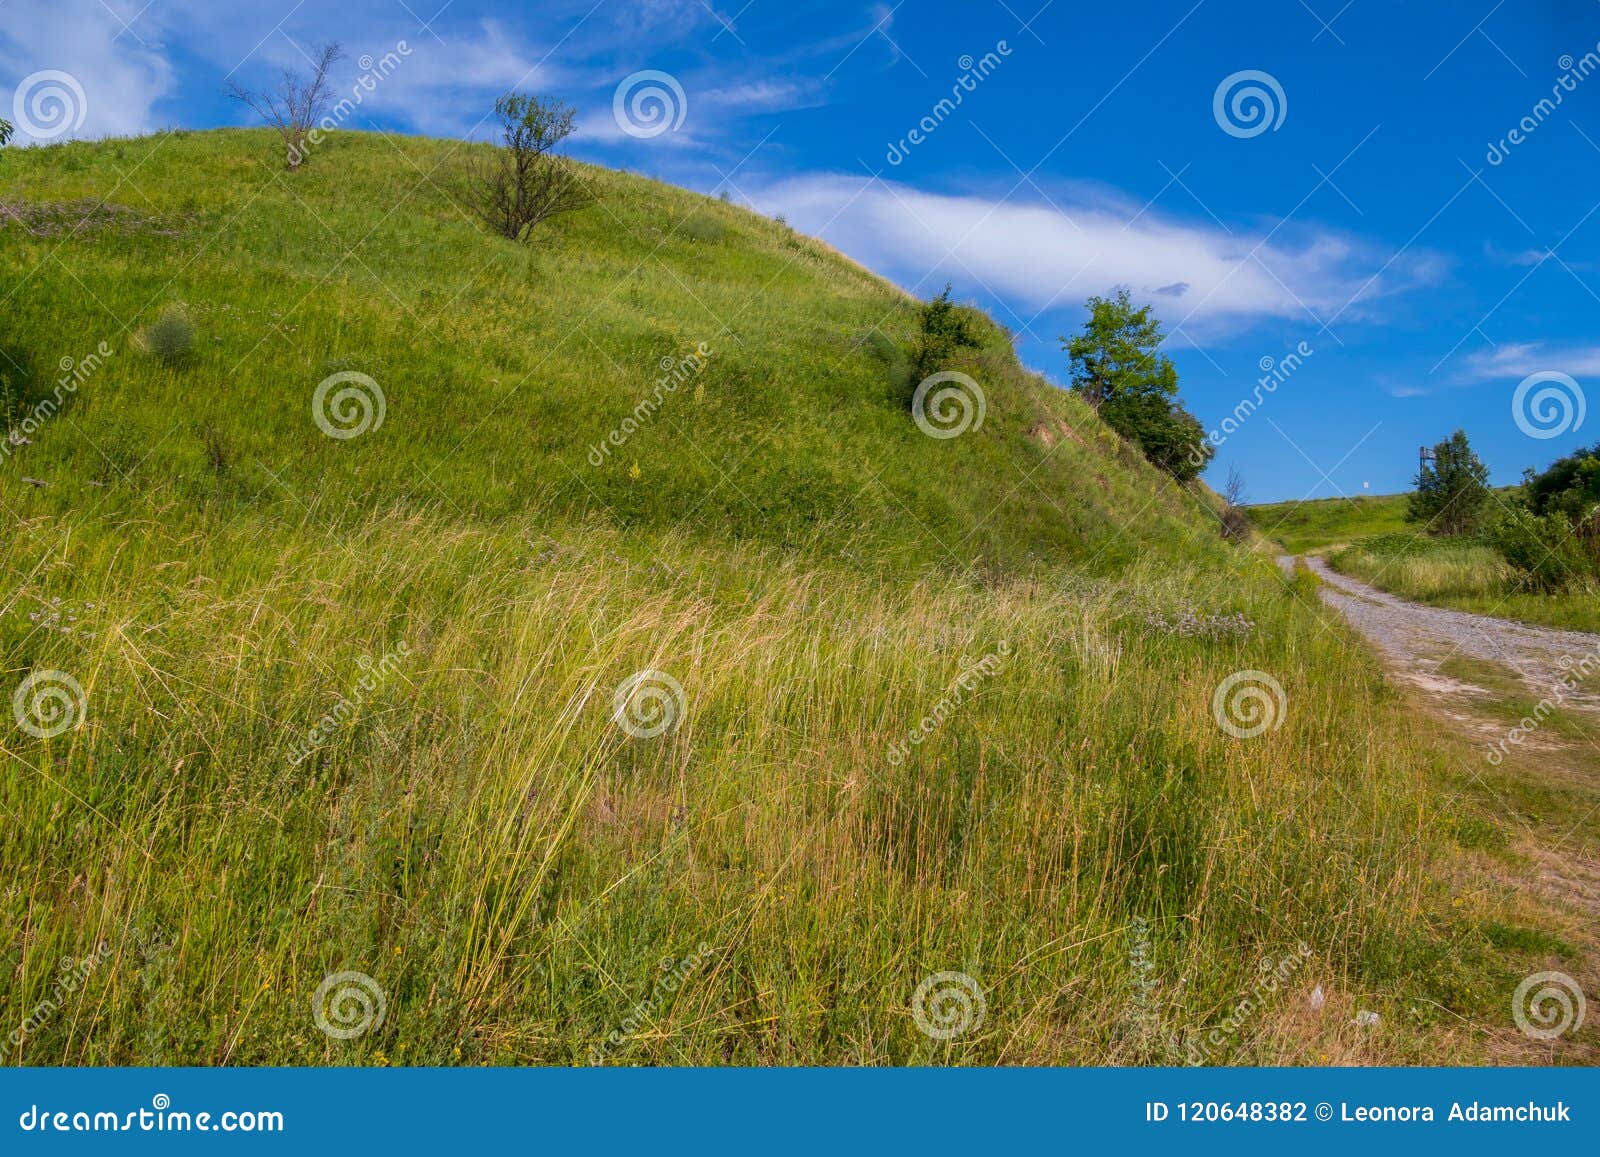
pixel 517 873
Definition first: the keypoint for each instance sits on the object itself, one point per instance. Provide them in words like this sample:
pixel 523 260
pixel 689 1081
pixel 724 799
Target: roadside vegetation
pixel 1529 552
pixel 358 688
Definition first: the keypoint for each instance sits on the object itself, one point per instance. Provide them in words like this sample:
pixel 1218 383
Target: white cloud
pixel 1040 255
pixel 121 78
pixel 1516 360
pixel 448 89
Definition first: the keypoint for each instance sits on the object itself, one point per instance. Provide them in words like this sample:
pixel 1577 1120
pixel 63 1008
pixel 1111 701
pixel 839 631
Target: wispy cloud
pixel 1514 360
pixel 1042 255
pixel 122 78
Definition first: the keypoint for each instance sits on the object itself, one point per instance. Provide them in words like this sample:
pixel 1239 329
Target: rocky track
pixel 1417 640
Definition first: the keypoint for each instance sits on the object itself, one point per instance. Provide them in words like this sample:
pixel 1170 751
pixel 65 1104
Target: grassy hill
pixel 1324 522
pixel 911 706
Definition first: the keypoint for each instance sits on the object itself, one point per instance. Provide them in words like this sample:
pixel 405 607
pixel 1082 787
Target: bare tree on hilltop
pixel 296 104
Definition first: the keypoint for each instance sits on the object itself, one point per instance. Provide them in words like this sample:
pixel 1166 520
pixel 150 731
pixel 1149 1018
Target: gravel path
pixel 1416 639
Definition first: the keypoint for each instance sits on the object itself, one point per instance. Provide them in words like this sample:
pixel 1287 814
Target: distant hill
pixel 1306 526
pixel 1325 522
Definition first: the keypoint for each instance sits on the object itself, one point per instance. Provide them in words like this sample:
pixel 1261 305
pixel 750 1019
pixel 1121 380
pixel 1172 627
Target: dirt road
pixel 1416 640
pixel 1560 856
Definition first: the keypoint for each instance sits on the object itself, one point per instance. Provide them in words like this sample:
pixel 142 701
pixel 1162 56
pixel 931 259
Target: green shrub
pixel 1304 583
pixel 1451 497
pixel 1569 485
pixel 1545 548
pixel 704 230
pixel 946 328
pixel 170 337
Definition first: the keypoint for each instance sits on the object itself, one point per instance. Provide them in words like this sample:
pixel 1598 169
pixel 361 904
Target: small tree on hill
pixel 1116 354
pixel 944 330
pixel 1235 523
pixel 296 105
pixel 1117 367
pixel 525 182
pixel 1452 490
pixel 5 130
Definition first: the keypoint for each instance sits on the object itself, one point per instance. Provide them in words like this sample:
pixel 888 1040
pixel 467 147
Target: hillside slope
pixel 505 368
pixel 785 734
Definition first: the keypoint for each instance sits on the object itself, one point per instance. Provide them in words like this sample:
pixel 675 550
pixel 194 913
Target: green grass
pixel 348 704
pixel 1303 527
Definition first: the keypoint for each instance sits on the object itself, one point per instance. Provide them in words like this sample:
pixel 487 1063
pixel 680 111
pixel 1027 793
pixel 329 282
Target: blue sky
pixel 1373 208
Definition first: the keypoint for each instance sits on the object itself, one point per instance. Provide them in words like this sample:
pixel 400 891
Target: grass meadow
pixel 786 734
pixel 1312 526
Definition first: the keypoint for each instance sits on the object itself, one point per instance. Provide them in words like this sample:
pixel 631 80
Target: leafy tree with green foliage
pixel 945 329
pixel 1450 494
pixel 1569 485
pixel 1117 367
pixel 525 181
pixel 1543 547
pixel 5 130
